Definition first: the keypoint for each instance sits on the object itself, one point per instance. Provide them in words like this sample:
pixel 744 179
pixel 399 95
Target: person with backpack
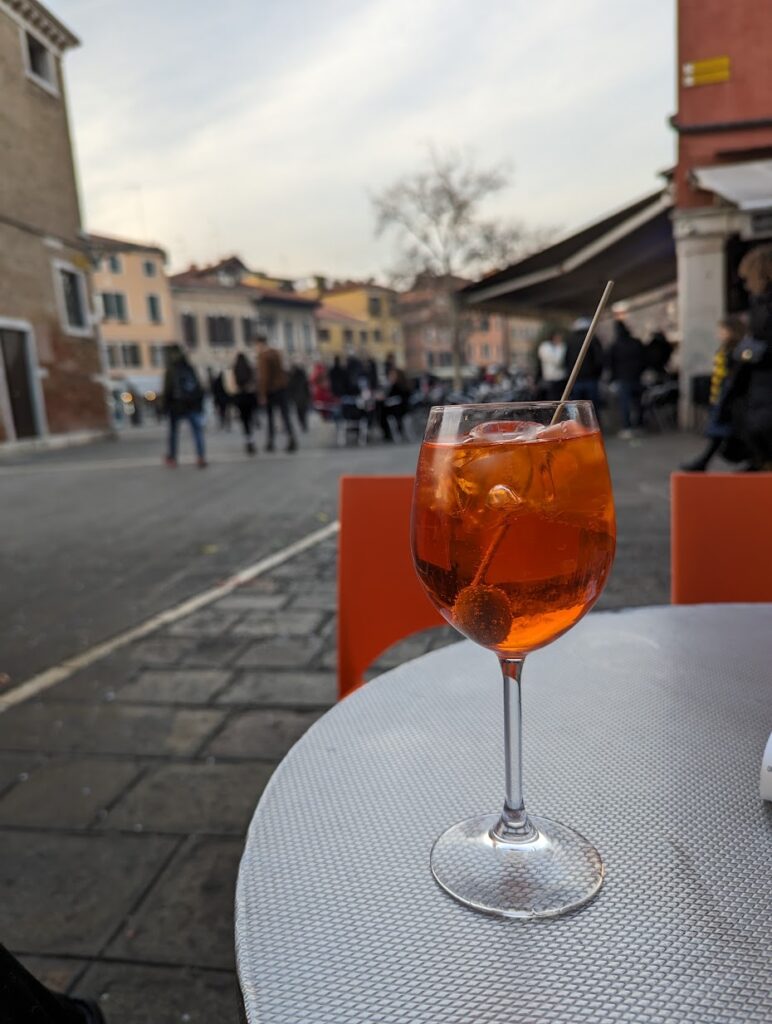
pixel 245 399
pixel 183 399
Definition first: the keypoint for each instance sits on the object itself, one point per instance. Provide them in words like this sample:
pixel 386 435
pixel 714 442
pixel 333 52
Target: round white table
pixel 642 729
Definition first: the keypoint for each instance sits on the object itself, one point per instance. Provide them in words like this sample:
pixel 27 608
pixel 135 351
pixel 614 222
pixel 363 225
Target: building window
pixel 130 354
pixel 430 359
pixel 308 338
pixel 348 336
pixel 113 356
pixel 158 355
pixel 374 305
pixel 40 63
pixel 114 306
pixel 154 309
pixel 190 329
pixel 363 337
pixel 149 268
pixel 323 334
pixel 248 330
pixel 113 264
pixel 71 291
pixel 289 336
pixel 219 331
pixel 377 335
pixel 486 351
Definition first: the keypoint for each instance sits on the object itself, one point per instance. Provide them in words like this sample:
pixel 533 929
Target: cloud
pixel 260 128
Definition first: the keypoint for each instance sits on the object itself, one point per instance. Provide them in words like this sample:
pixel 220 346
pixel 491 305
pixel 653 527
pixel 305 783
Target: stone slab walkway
pixel 126 790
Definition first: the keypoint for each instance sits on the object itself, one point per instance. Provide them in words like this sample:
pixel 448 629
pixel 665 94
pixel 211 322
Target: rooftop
pixel 331 315
pixel 108 243
pixel 34 14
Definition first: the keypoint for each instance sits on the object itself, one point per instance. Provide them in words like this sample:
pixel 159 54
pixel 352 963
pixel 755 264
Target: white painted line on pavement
pixel 45 680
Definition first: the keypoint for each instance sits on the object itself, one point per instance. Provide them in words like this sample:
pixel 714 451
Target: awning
pixel 748 185
pixel 138 383
pixel 634 246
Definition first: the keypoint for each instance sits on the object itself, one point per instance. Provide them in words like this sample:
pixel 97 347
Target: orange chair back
pixel 380 600
pixel 721 537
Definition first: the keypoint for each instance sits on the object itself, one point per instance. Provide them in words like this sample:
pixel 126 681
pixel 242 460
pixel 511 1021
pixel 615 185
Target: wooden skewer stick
pixel 582 352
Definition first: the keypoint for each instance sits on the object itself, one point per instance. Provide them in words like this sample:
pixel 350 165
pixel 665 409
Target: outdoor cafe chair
pixel 380 600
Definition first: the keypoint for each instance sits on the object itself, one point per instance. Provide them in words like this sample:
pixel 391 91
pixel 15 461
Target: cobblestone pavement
pixel 125 790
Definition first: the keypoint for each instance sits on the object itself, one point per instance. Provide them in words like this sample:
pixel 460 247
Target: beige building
pixel 218 314
pixel 51 370
pixel 134 301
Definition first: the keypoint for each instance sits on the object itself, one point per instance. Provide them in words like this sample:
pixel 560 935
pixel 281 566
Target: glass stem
pixel 514 825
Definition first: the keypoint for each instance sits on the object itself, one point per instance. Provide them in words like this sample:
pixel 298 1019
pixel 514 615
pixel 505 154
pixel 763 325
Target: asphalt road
pixel 97 539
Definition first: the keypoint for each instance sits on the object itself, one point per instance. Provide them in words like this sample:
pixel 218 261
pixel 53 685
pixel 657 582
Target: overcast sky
pixel 260 126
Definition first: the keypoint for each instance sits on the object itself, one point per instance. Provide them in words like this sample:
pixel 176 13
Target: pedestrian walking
pixel 183 399
pixel 339 379
pixel 552 360
pixel 720 425
pixel 750 386
pixel 299 392
pixel 395 404
pixel 587 385
pixel 627 362
pixel 221 399
pixel 24 999
pixel 272 382
pixel 245 399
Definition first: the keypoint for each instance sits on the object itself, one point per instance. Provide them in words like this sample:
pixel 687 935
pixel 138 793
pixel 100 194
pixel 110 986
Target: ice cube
pixel 562 431
pixel 506 430
pixel 503 498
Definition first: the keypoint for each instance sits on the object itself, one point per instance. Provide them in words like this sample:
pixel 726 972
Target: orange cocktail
pixel 513 530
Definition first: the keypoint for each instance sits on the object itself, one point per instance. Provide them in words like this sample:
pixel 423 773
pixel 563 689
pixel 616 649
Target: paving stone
pixel 278 655
pixel 99 681
pixel 54 973
pixel 263 734
pixel 14 765
pixel 175 686
pixel 291 623
pixel 290 688
pixel 187 918
pixel 159 650
pixel 206 623
pixel 129 994
pixel 405 650
pixel 214 653
pixel 66 794
pixel 106 728
pixel 324 600
pixel 183 798
pixel 329 659
pixel 67 894
pixel 244 601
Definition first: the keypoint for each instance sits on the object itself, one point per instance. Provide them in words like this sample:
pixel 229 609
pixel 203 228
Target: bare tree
pixel 435 214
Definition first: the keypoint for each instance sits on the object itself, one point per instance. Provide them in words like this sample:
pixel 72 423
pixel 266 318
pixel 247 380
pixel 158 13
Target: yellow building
pixel 135 303
pixel 338 333
pixel 377 331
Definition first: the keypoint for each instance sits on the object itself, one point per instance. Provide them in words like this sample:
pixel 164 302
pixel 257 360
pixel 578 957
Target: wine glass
pixel 513 537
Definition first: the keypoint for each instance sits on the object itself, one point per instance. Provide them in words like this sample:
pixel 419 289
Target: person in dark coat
pixel 183 399
pixel 245 399
pixel 627 361
pixel 587 386
pixel 221 399
pixel 719 426
pixel 338 378
pixel 272 381
pixel 751 385
pixel 299 393
pixel 658 352
pixel 395 404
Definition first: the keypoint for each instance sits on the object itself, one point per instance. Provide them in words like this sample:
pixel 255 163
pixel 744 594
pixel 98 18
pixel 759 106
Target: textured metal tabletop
pixel 643 729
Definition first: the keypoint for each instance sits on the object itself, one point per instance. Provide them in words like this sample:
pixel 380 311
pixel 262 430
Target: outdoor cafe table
pixel 642 729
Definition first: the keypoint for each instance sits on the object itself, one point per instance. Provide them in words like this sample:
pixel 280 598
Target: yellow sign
pixel 706 72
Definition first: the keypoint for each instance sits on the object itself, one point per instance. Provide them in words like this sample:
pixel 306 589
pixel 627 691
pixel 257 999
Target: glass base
pixel 551 873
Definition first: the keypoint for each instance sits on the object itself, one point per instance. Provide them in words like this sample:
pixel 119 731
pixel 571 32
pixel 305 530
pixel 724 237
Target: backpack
pixel 186 389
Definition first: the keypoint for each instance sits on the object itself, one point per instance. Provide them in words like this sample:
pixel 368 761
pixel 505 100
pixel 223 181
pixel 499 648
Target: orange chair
pixel 721 537
pixel 380 600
